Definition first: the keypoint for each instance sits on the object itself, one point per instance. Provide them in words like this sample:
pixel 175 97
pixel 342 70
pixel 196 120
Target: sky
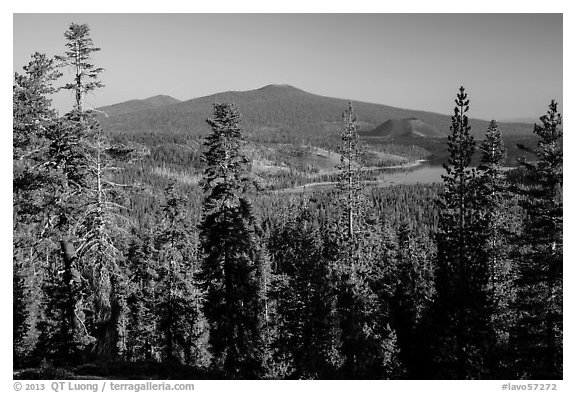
pixel 510 64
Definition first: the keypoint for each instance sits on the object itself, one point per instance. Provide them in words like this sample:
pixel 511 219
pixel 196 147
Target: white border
pixel 300 6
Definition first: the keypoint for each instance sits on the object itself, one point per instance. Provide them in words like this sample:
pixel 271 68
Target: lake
pixel 424 174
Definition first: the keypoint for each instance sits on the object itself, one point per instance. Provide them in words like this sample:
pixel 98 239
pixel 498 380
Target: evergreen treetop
pixel 80 48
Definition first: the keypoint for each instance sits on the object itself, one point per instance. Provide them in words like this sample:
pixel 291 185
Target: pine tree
pixel 32 111
pixel 537 337
pixel 461 331
pixel 98 230
pixel 301 288
pixel 67 161
pixel 495 198
pixel 84 206
pixel 89 163
pixel 61 339
pixel 32 117
pixel 351 198
pixel 361 267
pixel 369 313
pixel 385 275
pixel 80 48
pixel 413 291
pixel 143 295
pixel 178 299
pixel 350 169
pixel 63 298
pixel 231 254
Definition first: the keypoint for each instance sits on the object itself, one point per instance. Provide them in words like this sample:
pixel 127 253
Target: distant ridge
pixel 280 113
pixel 529 120
pixel 410 127
pixel 138 105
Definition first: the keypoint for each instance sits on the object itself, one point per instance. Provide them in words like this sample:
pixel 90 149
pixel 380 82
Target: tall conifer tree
pixel 495 197
pixel 177 296
pixel 413 291
pixel 99 229
pixel 301 290
pixel 68 159
pixel 78 57
pixel 231 255
pixel 87 161
pixel 350 170
pixel 32 117
pixel 462 332
pixel 143 297
pixel 362 267
pixel 537 337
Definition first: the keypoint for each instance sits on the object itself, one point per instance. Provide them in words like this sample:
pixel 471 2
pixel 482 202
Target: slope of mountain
pixel 411 127
pixel 529 120
pixel 138 105
pixel 282 113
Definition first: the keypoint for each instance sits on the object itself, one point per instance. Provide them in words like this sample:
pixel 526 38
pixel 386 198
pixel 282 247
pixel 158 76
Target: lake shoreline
pixel 413 166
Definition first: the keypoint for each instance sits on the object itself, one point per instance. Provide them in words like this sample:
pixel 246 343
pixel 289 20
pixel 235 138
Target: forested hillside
pixel 284 114
pixel 159 242
pixel 404 128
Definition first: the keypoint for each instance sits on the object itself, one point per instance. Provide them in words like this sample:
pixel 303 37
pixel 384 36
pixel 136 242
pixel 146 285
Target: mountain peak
pixel 136 105
pixel 161 100
pixel 160 96
pixel 279 86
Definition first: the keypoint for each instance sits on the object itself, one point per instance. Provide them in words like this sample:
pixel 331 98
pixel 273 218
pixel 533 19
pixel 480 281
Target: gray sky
pixel 510 64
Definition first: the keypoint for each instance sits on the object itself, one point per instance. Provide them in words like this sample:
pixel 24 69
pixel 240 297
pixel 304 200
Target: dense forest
pixel 140 254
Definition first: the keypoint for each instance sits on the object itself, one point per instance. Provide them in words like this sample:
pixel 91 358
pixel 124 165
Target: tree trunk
pixel 73 314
